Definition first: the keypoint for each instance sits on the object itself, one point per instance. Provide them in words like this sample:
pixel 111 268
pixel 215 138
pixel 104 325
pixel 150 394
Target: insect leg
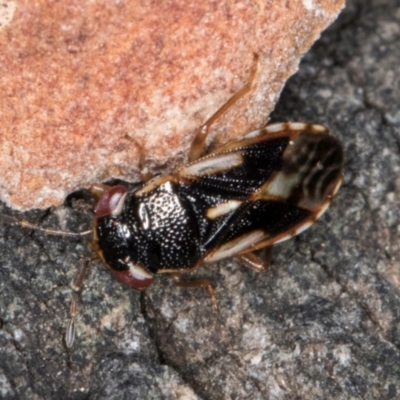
pixel 254 262
pixel 199 140
pixel 71 331
pixel 73 311
pixel 180 281
pixel 145 174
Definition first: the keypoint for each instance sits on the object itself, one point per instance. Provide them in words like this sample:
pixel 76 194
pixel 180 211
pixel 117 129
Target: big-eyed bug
pixel 249 194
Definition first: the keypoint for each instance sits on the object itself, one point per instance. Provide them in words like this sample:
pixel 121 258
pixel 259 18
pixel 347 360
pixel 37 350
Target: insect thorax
pixel 155 230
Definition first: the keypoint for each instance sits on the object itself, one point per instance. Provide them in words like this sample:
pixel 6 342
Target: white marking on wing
pixel 303 227
pixel 236 246
pixel 296 126
pixel 284 238
pixel 323 208
pixel 254 133
pixel 319 128
pixel 215 164
pixel 223 208
pixel 281 126
pixel 281 185
pixel 337 187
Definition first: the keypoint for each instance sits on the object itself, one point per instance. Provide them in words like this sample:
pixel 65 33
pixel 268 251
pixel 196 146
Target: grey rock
pixel 322 322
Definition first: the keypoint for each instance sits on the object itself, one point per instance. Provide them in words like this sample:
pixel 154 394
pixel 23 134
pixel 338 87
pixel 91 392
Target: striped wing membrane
pixel 263 189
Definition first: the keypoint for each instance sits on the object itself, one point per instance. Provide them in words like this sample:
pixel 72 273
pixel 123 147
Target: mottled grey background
pixel 322 322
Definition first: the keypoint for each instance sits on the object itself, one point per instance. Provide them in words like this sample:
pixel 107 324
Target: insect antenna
pixel 76 286
pixel 26 224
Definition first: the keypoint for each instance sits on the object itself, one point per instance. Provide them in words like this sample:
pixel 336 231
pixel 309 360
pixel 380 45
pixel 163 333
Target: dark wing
pixel 262 189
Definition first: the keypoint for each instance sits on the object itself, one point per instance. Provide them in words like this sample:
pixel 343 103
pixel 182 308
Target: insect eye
pixel 112 202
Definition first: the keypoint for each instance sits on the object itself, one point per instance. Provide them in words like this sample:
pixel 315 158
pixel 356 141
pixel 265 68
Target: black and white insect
pixel 249 194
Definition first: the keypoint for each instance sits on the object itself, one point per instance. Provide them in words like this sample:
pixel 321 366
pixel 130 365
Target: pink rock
pixel 82 82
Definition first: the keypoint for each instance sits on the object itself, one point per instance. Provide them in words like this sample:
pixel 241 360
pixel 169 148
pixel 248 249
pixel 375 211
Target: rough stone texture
pixel 322 323
pixel 84 84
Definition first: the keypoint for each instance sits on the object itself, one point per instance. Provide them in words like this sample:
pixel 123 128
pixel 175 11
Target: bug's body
pixel 249 194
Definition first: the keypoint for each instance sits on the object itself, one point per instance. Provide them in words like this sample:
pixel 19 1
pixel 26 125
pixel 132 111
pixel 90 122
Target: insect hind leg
pixel 73 310
pixel 199 140
pixel 252 261
pixel 194 283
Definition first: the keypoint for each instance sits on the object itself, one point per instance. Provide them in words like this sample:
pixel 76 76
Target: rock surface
pixel 322 323
pixel 84 85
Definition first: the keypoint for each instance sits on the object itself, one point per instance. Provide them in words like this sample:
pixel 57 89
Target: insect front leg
pixel 145 174
pixel 73 311
pixel 194 283
pixel 199 140
pixel 99 189
pixel 254 262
